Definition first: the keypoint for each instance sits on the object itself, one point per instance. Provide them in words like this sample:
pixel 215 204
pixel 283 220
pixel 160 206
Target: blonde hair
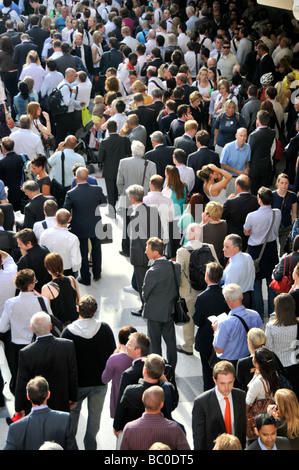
pixel 215 210
pixel 228 103
pixel 288 410
pixel 138 87
pixel 257 337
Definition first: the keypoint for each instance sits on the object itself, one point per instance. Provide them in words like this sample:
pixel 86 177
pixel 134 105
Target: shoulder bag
pixel 284 285
pixel 180 307
pixel 259 406
pixel 257 261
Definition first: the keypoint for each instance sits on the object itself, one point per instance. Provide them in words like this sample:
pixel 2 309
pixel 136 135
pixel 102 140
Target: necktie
pixel 227 417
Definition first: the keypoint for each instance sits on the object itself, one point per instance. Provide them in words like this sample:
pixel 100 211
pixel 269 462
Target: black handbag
pixel 180 316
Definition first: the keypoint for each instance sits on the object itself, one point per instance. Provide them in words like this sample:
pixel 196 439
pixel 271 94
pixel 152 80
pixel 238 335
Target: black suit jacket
pixel 34 259
pixel 20 53
pixel 9 216
pixel 209 302
pixel 185 143
pixel 197 160
pixel 38 36
pixel 55 360
pixel 87 57
pixel 265 65
pixel 34 210
pixel 260 142
pixel 165 122
pixel 129 376
pixel 156 105
pixel 161 155
pixel 111 150
pixel 147 118
pixel 84 201
pixel 282 443
pixel 11 170
pixel 208 422
pixel 235 211
pixel 291 153
pixel 110 58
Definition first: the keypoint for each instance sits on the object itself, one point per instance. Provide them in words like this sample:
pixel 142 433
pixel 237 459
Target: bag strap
pixel 242 321
pixel 175 279
pixel 143 177
pixel 62 168
pixel 267 236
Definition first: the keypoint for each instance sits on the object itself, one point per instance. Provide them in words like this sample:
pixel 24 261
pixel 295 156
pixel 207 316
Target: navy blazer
pixel 41 425
pixel 84 203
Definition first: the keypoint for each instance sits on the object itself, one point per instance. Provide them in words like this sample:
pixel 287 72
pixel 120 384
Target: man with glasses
pixel 227 60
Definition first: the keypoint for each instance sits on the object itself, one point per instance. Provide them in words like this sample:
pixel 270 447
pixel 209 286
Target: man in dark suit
pixel 111 150
pixel 34 210
pixel 177 127
pixel 182 81
pixel 291 153
pixel 111 58
pixel 186 142
pixel 165 120
pixel 146 116
pixel 138 346
pixel 159 293
pixel 33 256
pixel 261 141
pixel 266 431
pixel 157 103
pixel 265 64
pixel 235 209
pixel 21 50
pixel 53 358
pixel 84 201
pixel 43 424
pixel 37 34
pixel 11 172
pixel 67 60
pixel 207 416
pixel 209 302
pixel 161 154
pixel 144 223
pixel 83 51
pixel 203 156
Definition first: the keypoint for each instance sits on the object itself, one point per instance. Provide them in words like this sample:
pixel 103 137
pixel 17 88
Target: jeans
pixel 95 401
pixel 257 297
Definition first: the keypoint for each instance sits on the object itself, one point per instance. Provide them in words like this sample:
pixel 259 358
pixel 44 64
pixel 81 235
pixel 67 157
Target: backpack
pixel 197 266
pixel 6 16
pixel 54 101
pixel 170 376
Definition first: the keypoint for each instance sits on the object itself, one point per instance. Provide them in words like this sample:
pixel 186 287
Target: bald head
pixel 70 142
pixel 62 217
pixel 82 175
pixel 153 399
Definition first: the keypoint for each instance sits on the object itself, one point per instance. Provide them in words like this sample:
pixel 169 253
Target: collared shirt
pixel 240 270
pixel 7 276
pixel 60 240
pixel 27 143
pixel 187 176
pixel 259 223
pixel 17 314
pixel 165 208
pixel 235 156
pixel 222 404
pixel 51 81
pixel 38 227
pixel 265 448
pixel 71 157
pixel 231 334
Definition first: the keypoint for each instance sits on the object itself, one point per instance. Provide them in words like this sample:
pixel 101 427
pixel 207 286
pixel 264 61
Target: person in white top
pixel 50 209
pixel 7 275
pixel 33 69
pixel 60 240
pixel 26 142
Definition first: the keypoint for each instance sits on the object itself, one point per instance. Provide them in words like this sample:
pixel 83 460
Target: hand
pixel 73 404
pixel 215 325
pixel 82 104
pixel 46 115
pixel 205 217
pixel 116 433
pixel 213 167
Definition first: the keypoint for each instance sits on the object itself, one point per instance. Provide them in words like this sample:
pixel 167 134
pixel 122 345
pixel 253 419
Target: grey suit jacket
pixel 138 133
pixel 159 290
pixel 41 425
pixel 130 171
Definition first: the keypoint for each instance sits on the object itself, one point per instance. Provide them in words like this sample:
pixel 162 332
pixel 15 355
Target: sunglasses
pixel 225 47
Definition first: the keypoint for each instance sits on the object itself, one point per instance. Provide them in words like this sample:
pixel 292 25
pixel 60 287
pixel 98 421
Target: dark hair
pixel 203 137
pixel 124 333
pixel 266 362
pixel 215 272
pixel 266 195
pixel 24 278
pixel 37 390
pixel 87 306
pixel 39 160
pixel 264 419
pixel 156 244
pixel 27 235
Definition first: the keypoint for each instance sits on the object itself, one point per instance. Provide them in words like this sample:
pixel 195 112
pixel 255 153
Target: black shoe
pixel 81 281
pixel 97 278
pixel 137 313
pixel 181 350
pixel 2 400
pixel 123 253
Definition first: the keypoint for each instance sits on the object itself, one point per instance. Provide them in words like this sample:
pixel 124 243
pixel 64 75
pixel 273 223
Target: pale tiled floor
pixel 115 306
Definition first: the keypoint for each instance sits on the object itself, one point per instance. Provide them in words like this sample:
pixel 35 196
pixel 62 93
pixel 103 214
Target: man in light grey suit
pixel 159 293
pixel 132 170
pixel 135 130
pixel 42 424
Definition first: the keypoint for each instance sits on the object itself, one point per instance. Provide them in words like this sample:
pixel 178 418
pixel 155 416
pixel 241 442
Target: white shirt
pixel 7 276
pixel 259 222
pixel 165 208
pixel 51 81
pixel 155 82
pixel 187 176
pixel 183 39
pixel 38 226
pixel 17 314
pixel 83 93
pixel 36 72
pixel 60 240
pixel 240 270
pixel 71 158
pixel 26 142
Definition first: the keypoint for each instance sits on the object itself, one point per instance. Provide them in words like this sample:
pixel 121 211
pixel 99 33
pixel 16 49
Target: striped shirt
pixel 281 340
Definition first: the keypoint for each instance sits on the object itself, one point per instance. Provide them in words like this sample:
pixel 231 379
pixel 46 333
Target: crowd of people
pixel 190 112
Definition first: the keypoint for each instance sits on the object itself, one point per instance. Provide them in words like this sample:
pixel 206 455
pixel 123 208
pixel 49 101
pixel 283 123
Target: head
pixel 288 410
pixel 282 182
pixel 264 196
pixel 156 183
pixel 135 193
pixel 87 306
pixel 154 248
pixel 224 377
pixel 25 280
pixel 256 338
pixel 215 210
pixel 264 362
pixel 40 324
pixel 138 345
pixel 137 148
pixel 154 366
pixel 266 429
pixel 214 273
pixel 227 442
pixel 242 183
pixel 153 399
pixel 63 216
pixel 124 334
pixel 232 245
pixel 26 239
pixel 233 295
pixel 230 107
pixel 285 310
pixel 50 208
pixel 81 174
pixel 38 164
pixel 37 391
pixel 54 264
pixel 241 136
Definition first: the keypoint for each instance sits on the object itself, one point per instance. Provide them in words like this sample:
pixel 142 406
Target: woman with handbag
pixel 261 388
pixel 287 263
pixel 34 111
pixel 281 335
pixel 286 201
